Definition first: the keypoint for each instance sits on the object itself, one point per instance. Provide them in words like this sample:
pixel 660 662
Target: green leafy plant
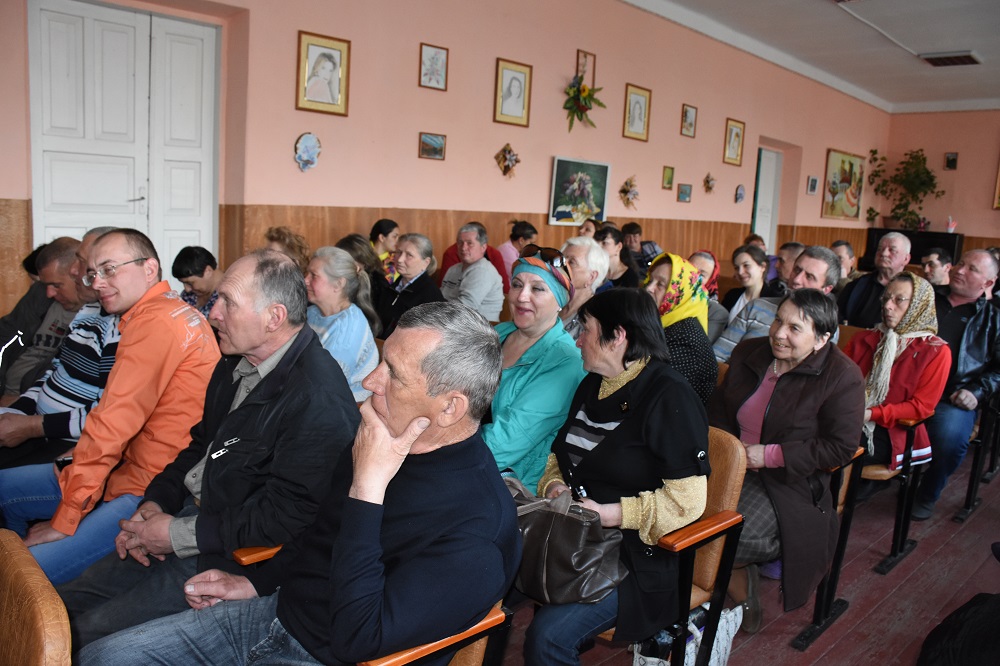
pixel 906 188
pixel 580 100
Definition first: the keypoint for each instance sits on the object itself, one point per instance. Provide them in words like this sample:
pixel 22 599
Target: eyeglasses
pixel 898 300
pixel 105 272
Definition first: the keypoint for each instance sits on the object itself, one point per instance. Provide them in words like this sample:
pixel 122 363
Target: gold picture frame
pixel 689 120
pixel 732 146
pixel 638 103
pixel 323 78
pixel 996 193
pixel 509 106
pixel 843 186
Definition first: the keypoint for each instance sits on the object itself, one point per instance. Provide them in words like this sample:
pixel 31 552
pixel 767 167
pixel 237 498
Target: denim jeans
pixel 33 493
pixel 558 630
pixel 949 430
pixel 231 632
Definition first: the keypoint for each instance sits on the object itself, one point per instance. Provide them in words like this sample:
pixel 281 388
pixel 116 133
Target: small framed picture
pixel 732 152
pixel 637 105
pixel 433 67
pixel 689 120
pixel 431 146
pixel 586 67
pixel 684 193
pixel 512 99
pixel 668 178
pixel 323 74
pixel 950 161
pixel 812 184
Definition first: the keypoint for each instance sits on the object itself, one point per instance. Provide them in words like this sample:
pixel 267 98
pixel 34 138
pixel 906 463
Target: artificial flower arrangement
pixel 629 192
pixel 507 159
pixel 709 183
pixel 580 99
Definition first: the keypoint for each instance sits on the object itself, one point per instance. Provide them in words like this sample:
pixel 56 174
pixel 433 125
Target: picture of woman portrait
pixel 637 114
pixel 513 94
pixel 323 84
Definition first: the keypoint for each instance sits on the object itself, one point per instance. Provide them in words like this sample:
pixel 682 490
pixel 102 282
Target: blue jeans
pixel 558 630
pixel 231 632
pixel 32 493
pixel 949 431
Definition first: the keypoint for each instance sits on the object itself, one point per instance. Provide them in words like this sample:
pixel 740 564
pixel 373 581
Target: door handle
pixel 136 199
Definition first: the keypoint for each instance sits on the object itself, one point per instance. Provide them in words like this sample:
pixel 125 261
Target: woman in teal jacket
pixel 541 366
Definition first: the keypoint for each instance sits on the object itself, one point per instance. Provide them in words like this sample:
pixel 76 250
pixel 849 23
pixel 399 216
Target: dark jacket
pixel 420 291
pixel 733 295
pixel 271 458
pixel 858 304
pixel 978 368
pixel 815 415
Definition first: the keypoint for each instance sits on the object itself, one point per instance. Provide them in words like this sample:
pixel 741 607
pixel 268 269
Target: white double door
pixel 123 125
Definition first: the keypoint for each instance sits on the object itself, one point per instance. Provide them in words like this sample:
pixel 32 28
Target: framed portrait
pixel 579 191
pixel 637 105
pixel 812 184
pixel 431 146
pixel 689 120
pixel 324 74
pixel 512 99
pixel 684 193
pixel 433 67
pixel 668 178
pixel 950 161
pixel 586 67
pixel 843 185
pixel 732 152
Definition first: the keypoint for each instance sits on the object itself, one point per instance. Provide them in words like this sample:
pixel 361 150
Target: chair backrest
pixel 728 459
pixel 727 282
pixel 33 620
pixel 723 369
pixel 845 333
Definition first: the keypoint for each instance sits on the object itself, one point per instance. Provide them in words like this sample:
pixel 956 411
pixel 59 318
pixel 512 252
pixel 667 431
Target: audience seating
pixel 845 333
pixel 33 620
pixel 723 369
pixel 726 283
pixel 254 554
pixel 983 445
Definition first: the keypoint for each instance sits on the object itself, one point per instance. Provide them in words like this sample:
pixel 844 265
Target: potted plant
pixel 906 188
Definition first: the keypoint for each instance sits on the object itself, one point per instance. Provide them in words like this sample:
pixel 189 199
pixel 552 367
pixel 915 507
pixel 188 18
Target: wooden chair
pixel 33 619
pixel 985 444
pixel 723 369
pixel 845 333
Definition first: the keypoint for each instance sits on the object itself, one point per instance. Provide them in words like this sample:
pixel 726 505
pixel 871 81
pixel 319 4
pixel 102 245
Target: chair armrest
pixel 254 554
pixel 857 454
pixel 912 423
pixel 700 531
pixel 495 617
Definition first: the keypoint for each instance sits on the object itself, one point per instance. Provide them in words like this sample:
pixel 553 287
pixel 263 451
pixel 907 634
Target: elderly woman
pixel 588 264
pixel 622 271
pixel 366 259
pixel 415 263
pixel 750 264
pixel 675 286
pixel 643 469
pixel 289 243
pixel 541 366
pixel 906 368
pixel 341 314
pixel 797 403
pixel 718 316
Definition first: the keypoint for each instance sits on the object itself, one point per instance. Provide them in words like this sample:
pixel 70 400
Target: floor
pixel 888 616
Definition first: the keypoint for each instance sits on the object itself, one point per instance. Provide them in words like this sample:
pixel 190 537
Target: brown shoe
pixel 753 614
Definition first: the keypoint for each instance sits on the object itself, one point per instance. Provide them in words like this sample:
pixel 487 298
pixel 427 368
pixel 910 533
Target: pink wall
pixel 15 162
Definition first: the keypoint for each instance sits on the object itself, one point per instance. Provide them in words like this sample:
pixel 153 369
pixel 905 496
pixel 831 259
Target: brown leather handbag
pixel 567 556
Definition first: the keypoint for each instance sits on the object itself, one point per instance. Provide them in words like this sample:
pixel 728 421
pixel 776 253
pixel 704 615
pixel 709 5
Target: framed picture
pixel 431 146
pixel 433 67
pixel 579 191
pixel 996 194
pixel 586 67
pixel 950 161
pixel 689 120
pixel 842 185
pixel 812 184
pixel 732 151
pixel 668 178
pixel 684 193
pixel 324 74
pixel 512 99
pixel 637 105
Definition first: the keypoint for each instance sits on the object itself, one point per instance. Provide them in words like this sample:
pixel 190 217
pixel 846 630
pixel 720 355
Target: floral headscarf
pixel 685 296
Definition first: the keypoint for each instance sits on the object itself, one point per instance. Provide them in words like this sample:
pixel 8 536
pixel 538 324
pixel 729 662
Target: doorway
pixel 767 196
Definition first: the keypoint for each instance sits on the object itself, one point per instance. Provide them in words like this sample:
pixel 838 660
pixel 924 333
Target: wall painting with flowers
pixel 579 191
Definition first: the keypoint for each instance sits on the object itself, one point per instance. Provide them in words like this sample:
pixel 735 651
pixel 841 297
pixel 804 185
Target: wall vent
pixel 950 59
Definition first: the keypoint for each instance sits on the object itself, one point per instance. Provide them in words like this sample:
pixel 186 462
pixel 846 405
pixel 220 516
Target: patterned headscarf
pixel 711 285
pixel 548 264
pixel 685 296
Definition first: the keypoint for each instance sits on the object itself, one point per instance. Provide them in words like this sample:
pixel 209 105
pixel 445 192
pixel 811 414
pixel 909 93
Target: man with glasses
pixel 860 304
pixel 155 393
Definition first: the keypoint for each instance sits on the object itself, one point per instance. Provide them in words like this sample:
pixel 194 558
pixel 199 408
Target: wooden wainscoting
pixel 15 244
pixel 825 236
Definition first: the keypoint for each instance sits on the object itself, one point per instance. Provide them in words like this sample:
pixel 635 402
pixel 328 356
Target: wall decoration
pixel 512 99
pixel 431 146
pixel 950 161
pixel 580 99
pixel 579 191
pixel 507 159
pixel 307 150
pixel 433 67
pixel 842 185
pixel 741 193
pixel 637 106
pixel 689 120
pixel 684 193
pixel 629 192
pixel 812 184
pixel 668 178
pixel 586 67
pixel 709 183
pixel 996 194
pixel 732 151
pixel 324 74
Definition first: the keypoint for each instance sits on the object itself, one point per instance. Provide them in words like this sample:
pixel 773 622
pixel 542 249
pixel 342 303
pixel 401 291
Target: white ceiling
pixel 865 48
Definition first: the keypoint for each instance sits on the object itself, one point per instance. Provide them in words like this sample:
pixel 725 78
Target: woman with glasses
pixel 541 366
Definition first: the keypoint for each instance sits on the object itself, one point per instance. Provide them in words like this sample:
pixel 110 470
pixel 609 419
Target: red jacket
pixel 916 382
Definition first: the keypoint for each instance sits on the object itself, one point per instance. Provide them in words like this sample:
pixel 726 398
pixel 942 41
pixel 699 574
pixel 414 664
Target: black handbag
pixel 567 556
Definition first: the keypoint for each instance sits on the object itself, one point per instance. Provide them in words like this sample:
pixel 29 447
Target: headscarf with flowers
pixel 711 285
pixel 685 296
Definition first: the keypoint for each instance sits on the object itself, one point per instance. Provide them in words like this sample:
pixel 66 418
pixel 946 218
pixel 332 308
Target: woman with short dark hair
pixel 522 233
pixel 197 270
pixel 622 271
pixel 384 236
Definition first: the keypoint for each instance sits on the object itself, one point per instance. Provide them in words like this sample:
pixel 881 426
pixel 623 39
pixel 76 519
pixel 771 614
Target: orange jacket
pixel 155 394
